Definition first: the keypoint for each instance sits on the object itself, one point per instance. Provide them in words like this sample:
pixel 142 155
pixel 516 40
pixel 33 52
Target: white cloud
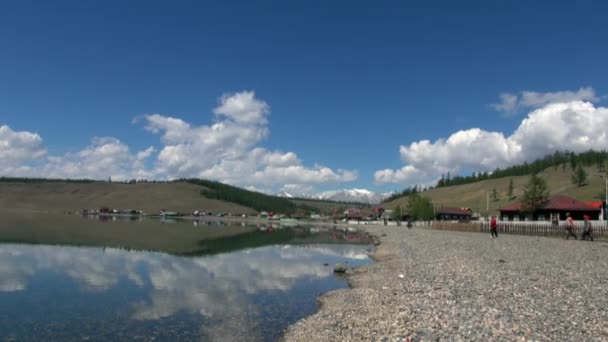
pixel 243 108
pixel 228 149
pixel 575 126
pixel 105 157
pixel 510 103
pixel 297 189
pixel 406 175
pixel 18 150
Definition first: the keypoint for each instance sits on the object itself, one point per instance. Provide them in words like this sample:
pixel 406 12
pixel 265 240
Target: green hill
pixel 182 196
pixel 475 195
pixel 149 197
pixel 325 207
pixel 251 199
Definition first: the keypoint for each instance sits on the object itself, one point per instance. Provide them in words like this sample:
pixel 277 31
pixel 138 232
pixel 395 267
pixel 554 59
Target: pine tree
pixel 510 190
pixel 397 214
pixel 441 181
pixel 494 195
pixel 535 193
pixel 573 161
pixel 579 177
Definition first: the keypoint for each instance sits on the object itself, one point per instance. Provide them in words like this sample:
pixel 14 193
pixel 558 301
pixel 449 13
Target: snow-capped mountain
pixel 343 195
pixel 285 194
pixel 354 195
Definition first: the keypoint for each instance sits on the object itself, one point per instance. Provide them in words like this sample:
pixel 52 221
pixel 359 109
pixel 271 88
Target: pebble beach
pixel 431 285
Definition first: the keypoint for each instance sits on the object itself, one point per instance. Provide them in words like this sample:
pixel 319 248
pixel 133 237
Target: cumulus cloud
pixel 511 103
pixel 243 108
pixel 575 126
pixel 105 157
pixel 227 150
pixel 18 150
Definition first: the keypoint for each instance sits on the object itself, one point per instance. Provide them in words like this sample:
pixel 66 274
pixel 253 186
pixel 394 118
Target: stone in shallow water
pixel 340 267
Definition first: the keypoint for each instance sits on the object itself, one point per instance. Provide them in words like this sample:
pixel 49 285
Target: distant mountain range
pixel 343 195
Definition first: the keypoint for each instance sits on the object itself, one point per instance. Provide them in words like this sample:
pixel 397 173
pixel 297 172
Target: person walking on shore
pixel 570 227
pixel 493 227
pixel 586 233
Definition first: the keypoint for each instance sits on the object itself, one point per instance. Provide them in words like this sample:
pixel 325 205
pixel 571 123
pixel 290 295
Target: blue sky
pixel 347 87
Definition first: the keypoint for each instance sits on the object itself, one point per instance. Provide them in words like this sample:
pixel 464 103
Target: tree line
pixel 564 159
pixel 414 189
pixel 251 199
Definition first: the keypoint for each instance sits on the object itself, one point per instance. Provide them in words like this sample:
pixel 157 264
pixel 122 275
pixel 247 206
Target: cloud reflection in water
pixel 220 289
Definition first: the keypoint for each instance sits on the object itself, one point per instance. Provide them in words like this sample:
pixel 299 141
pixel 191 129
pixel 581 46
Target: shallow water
pixel 245 287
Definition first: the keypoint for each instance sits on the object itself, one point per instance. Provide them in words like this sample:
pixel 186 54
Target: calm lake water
pixel 244 287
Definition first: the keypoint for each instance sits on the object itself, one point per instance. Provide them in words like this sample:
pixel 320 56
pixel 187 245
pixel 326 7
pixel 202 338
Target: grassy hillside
pixel 473 195
pixel 149 197
pixel 182 196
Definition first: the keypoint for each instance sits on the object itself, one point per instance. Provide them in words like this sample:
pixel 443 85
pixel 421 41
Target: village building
pixel 387 214
pixel 556 207
pixel 358 214
pixel 370 214
pixel 599 205
pixel 452 214
pixel 353 214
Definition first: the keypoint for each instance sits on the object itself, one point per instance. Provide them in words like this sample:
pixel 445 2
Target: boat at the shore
pixel 165 213
pixel 289 222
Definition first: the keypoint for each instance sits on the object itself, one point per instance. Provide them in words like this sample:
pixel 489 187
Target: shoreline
pixel 443 285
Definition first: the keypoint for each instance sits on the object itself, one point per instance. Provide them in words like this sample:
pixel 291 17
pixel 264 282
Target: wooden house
pixel 556 206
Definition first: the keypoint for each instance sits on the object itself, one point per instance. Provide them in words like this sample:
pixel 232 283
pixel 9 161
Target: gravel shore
pixel 433 285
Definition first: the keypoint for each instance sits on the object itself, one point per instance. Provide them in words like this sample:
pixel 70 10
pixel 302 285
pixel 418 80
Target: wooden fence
pixel 599 230
pixel 533 228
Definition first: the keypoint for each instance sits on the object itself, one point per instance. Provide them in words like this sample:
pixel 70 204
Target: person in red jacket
pixel 493 227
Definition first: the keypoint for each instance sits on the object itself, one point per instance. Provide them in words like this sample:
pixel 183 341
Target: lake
pixel 237 282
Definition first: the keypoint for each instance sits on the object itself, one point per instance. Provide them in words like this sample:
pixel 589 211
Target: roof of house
pixel 595 204
pixel 368 212
pixel 453 211
pixel 557 202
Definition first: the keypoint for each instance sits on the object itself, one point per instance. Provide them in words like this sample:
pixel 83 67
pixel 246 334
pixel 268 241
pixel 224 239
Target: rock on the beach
pixel 340 268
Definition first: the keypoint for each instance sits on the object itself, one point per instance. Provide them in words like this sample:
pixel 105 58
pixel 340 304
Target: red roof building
pixel 558 205
pixel 353 214
pixel 595 204
pixel 461 214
